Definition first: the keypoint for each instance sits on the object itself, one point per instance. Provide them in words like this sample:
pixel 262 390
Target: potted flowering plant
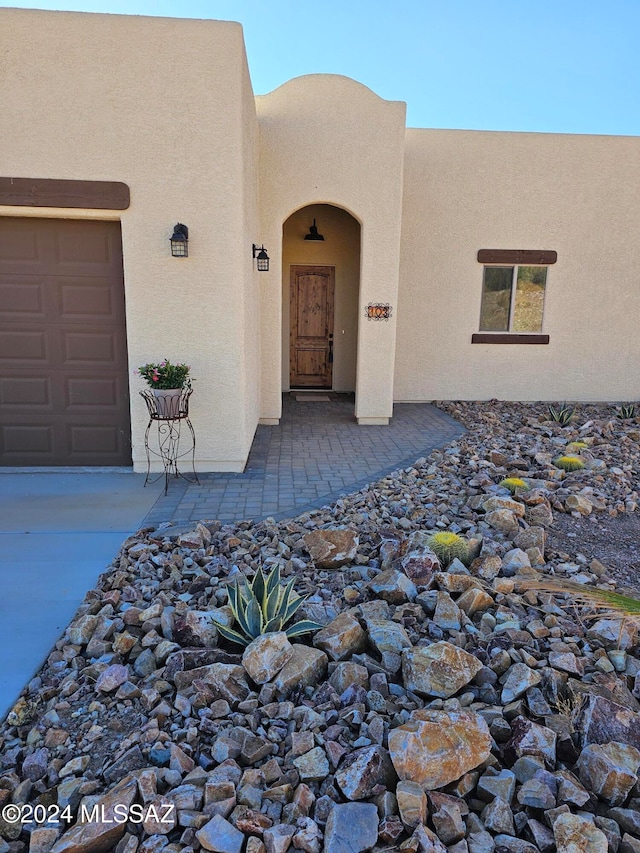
pixel 167 382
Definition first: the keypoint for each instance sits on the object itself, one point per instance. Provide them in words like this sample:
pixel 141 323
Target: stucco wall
pixel 578 195
pixel 250 345
pixel 328 139
pixel 165 106
pixel 340 249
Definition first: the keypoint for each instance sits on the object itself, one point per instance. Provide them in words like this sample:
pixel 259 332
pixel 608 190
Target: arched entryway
pixel 320 292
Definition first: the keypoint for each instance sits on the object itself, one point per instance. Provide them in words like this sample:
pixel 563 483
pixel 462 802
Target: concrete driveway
pixel 58 532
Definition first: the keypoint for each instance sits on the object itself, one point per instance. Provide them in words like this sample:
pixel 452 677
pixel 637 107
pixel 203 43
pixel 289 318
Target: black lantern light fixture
pixel 313 233
pixel 262 259
pixel 180 241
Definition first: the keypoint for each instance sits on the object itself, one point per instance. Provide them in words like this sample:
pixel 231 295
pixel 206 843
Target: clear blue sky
pixel 567 66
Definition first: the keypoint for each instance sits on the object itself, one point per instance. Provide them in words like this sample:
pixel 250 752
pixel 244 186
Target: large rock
pixel 497 784
pixel 332 548
pixel 362 771
pixel 474 600
pixel 313 766
pixel 112 678
pixel 227 681
pixel 498 817
pixel 531 739
pixel 610 770
pixel 447 612
pixel 41 840
pixel 446 815
pixel 305 666
pixel 196 627
pixel 441 669
pixel 220 836
pixel 614 633
pixel 387 636
pixel 278 838
pixel 434 748
pixel 539 515
pixel 519 679
pixel 393 587
pixel 578 503
pixel 189 663
pixel 627 819
pixel 503 520
pixel 514 560
pixel 265 656
pixel 598 720
pixel 35 766
pixel 427 841
pixel 103 834
pixel 160 816
pixel 496 503
pixel 351 828
pixel 532 537
pixel 412 803
pixel 347 673
pixel 131 760
pixel 575 834
pixel 419 562
pixel 80 632
pixel 341 638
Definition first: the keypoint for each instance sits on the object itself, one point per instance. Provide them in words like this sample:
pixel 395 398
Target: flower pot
pixel 168 401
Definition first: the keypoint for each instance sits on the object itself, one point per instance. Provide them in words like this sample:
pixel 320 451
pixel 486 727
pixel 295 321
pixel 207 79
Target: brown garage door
pixel 64 394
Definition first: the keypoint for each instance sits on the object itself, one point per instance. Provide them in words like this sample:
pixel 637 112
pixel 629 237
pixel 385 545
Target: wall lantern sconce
pixel 180 241
pixel 313 233
pixel 262 259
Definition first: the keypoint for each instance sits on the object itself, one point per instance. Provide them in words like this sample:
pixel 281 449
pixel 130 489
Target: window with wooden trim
pixel 513 299
pixel 513 294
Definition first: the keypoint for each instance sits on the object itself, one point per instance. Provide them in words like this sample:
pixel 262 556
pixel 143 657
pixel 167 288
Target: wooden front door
pixel 311 326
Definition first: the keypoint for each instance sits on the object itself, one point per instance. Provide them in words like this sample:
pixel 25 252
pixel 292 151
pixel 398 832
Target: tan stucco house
pixel 454 264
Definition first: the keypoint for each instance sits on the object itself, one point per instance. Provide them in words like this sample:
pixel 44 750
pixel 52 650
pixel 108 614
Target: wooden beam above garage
pixel 45 192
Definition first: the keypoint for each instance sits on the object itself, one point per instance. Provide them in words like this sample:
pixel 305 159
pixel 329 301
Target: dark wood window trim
pixel 46 192
pixel 523 257
pixel 507 338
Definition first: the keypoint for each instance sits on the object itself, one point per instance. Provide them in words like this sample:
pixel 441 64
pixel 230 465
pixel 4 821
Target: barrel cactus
pixel 514 484
pixel 569 463
pixel 447 546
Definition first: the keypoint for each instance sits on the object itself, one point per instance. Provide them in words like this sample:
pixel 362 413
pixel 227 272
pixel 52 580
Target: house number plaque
pixel 378 311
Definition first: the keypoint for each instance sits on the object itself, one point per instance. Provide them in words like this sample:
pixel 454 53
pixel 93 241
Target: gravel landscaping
pixel 444 704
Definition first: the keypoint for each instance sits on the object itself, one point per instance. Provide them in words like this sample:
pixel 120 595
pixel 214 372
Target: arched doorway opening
pixel 320 291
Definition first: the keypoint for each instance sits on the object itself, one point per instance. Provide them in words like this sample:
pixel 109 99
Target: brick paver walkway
pixel 317 453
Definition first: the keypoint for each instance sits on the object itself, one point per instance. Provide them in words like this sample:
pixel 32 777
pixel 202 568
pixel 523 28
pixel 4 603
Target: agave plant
pixel 561 415
pixel 626 411
pixel 515 485
pixel 569 463
pixel 263 606
pixel 447 546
